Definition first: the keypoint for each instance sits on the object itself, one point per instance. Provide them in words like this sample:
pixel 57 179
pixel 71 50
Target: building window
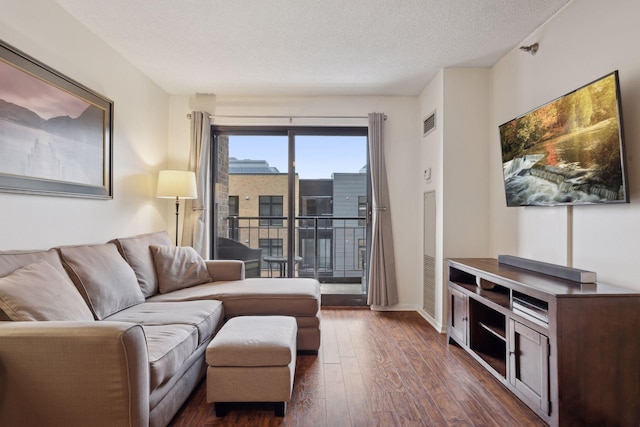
pixel 317 206
pixel 362 210
pixel 271 247
pixel 271 206
pixel 234 205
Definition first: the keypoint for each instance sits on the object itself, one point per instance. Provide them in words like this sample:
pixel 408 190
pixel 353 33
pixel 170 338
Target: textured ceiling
pixel 308 47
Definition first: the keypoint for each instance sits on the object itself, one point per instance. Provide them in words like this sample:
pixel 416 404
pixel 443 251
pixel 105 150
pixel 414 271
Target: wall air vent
pixel 429 252
pixel 429 124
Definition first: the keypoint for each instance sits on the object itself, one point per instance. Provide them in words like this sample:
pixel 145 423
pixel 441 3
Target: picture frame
pixel 56 135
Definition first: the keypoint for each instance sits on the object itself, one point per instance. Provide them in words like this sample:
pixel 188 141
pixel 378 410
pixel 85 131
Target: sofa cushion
pixel 40 292
pixel 11 261
pixel 206 316
pixel 178 267
pixel 103 277
pixel 135 250
pixel 169 346
pixel 258 297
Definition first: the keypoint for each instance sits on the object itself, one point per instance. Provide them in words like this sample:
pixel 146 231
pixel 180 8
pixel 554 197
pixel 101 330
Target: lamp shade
pixel 177 184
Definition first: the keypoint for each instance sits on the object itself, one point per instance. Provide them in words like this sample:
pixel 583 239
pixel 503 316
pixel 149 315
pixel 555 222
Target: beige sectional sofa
pixel 115 334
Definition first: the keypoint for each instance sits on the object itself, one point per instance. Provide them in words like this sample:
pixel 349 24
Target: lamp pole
pixel 178 184
pixel 177 214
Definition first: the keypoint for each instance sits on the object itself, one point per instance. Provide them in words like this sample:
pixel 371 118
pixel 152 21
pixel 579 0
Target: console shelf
pixel 570 351
pixel 497 332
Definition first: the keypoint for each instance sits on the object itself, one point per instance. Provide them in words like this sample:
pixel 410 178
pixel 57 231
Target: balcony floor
pixel 339 288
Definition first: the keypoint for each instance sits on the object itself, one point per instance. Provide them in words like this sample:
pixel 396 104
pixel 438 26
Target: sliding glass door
pixel 332 215
pixel 299 200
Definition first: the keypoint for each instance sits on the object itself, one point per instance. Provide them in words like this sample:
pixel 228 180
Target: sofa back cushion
pixel 40 292
pixel 105 280
pixel 135 250
pixel 11 261
pixel 179 267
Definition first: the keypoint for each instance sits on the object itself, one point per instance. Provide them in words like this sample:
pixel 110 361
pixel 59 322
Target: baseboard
pixel 395 307
pixel 433 322
pixel 410 307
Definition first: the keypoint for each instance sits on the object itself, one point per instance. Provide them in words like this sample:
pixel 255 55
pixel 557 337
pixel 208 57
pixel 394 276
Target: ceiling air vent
pixel 429 124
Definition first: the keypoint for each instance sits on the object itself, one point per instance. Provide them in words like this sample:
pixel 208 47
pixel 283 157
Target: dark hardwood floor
pixel 379 369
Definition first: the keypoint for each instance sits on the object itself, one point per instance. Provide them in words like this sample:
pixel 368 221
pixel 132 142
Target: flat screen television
pixel 569 151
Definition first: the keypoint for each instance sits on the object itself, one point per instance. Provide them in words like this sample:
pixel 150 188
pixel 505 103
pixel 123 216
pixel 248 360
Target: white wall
pixel 431 157
pixel 46 32
pixel 584 41
pixel 466 176
pixel 457 152
pixel 401 149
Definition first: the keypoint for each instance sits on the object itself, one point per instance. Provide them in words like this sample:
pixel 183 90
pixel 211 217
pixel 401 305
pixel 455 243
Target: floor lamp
pixel 178 184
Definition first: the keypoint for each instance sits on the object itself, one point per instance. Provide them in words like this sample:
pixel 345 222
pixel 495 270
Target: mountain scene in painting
pixel 47 133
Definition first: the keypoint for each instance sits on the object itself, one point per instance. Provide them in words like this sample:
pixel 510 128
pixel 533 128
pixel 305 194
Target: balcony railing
pixel 329 248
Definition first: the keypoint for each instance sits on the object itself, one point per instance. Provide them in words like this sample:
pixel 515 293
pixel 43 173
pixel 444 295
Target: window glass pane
pixel 265 205
pixel 233 205
pixel 332 186
pixel 324 206
pixel 271 247
pixel 276 206
pixel 264 209
pixel 271 206
pixel 309 206
pixel 248 167
pixel 276 247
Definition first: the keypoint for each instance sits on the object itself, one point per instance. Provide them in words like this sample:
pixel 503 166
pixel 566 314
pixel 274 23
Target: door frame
pixel 291 132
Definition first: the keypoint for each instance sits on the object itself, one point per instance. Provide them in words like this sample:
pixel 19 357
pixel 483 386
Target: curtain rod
pixel 219 116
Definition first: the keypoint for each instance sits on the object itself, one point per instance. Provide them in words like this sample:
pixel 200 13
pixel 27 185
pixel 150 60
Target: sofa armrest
pixel 73 373
pixel 225 270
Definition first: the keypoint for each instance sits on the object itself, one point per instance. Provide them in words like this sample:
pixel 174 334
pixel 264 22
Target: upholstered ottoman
pixel 252 359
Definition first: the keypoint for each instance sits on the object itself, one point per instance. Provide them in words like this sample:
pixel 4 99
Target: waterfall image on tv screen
pixel 569 151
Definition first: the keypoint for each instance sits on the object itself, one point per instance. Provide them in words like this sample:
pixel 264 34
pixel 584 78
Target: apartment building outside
pixel 330 238
pixel 258 206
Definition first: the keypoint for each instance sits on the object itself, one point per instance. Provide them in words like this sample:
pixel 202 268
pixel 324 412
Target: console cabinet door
pixel 458 316
pixel 529 364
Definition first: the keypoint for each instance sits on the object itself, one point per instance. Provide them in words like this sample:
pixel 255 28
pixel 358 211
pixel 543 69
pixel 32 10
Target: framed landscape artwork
pixel 56 136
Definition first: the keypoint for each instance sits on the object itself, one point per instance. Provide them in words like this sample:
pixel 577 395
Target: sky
pixel 44 99
pixel 317 157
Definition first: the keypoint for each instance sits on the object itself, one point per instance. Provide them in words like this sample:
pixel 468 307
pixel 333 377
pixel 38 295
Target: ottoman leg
pixel 221 409
pixel 280 408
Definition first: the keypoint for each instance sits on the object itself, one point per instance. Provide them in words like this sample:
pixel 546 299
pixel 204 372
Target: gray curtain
pixel 383 290
pixel 196 231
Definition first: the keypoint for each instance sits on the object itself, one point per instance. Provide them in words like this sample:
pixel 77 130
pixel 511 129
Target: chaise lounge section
pixel 115 334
